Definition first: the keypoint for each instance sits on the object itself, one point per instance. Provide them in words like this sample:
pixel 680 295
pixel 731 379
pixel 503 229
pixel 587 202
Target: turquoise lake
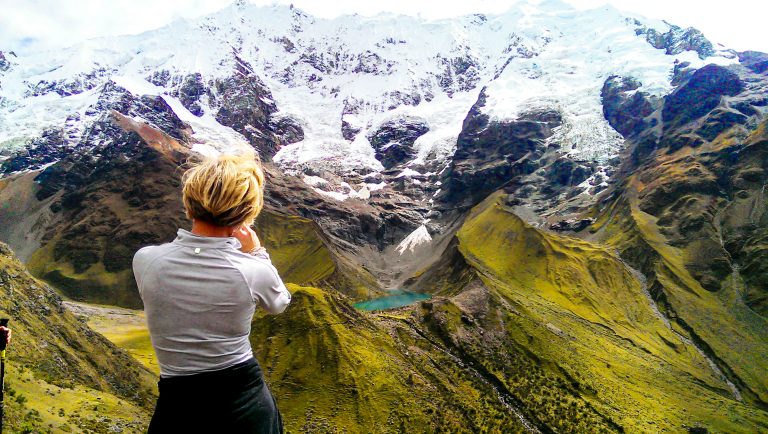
pixel 397 299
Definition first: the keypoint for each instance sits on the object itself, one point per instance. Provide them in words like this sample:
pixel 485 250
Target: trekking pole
pixel 3 338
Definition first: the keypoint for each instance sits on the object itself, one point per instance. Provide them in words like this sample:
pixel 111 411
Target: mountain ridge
pixel 583 204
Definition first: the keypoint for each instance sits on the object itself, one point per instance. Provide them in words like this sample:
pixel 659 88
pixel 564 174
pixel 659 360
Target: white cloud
pixel 27 25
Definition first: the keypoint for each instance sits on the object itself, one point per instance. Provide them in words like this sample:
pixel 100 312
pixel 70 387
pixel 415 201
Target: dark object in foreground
pixel 233 400
pixel 3 343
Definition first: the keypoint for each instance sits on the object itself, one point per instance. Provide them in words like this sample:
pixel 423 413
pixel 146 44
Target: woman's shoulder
pixel 147 254
pixel 255 266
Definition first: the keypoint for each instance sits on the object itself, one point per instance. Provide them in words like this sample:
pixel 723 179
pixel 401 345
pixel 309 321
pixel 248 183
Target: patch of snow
pixel 414 239
pixel 546 55
pixel 332 194
pixel 375 187
pixel 408 173
pixel 314 181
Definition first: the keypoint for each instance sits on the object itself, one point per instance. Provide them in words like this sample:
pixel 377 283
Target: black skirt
pixel 233 400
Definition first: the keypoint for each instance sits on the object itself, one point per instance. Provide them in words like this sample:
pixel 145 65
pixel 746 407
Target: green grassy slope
pixel 695 221
pixel 579 313
pixel 61 374
pixel 334 369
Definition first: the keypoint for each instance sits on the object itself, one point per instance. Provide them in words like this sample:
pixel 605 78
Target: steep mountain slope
pixel 561 330
pixel 357 101
pixel 61 374
pixel 440 157
pixel 691 217
pixel 580 308
pixel 334 369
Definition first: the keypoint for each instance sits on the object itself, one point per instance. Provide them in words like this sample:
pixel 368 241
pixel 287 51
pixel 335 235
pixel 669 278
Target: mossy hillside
pixel 126 328
pixel 295 248
pixel 303 255
pixel 54 350
pixel 582 316
pixel 34 405
pixel 93 284
pixel 732 333
pixel 704 250
pixel 472 324
pixel 334 369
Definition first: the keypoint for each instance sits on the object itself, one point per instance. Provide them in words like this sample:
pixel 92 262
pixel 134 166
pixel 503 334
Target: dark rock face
pixel 567 172
pixel 719 121
pixel 49 147
pixel 700 94
pixel 71 86
pixel 491 154
pixel 245 104
pixel 287 130
pixel 754 60
pixel 460 74
pixel 681 73
pixel 385 219
pixel 393 140
pixel 676 40
pixel 112 202
pixel 625 110
pixel 5 64
pixel 572 225
pixel 190 91
pixel 348 131
pixel 54 144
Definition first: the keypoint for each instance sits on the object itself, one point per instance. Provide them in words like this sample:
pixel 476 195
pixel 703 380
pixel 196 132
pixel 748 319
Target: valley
pixel 548 220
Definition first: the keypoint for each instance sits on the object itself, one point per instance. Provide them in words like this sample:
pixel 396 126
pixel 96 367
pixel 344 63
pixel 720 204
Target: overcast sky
pixel 28 25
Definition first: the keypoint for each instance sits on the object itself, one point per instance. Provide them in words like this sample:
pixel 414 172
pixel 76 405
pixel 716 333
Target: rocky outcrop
pixel 626 108
pixel 699 95
pixel 5 64
pixel 348 131
pixel 460 73
pixel 565 172
pixel 190 91
pixel 94 145
pixel 246 105
pixel 676 40
pixel 70 86
pixel 754 60
pixel 108 207
pixel 393 140
pixel 490 154
pixel 49 147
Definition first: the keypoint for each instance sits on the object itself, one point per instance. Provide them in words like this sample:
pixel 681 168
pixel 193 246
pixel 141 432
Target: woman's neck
pixel 205 229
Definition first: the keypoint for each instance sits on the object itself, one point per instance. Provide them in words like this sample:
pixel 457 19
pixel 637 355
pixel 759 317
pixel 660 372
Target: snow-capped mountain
pixel 356 96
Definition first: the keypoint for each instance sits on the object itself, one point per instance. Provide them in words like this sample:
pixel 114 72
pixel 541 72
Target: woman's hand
pixel 247 238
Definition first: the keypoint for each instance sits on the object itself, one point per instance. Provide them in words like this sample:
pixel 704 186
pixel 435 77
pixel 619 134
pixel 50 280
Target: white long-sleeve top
pixel 199 296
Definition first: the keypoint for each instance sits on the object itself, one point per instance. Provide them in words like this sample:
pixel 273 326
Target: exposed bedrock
pixel 56 144
pixel 626 108
pixel 754 60
pixel 242 102
pixel 393 140
pixel 712 105
pixel 699 95
pixel 490 154
pixel 676 40
pixel 190 91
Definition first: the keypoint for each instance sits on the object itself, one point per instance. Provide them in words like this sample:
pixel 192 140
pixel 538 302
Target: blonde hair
pixel 227 190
